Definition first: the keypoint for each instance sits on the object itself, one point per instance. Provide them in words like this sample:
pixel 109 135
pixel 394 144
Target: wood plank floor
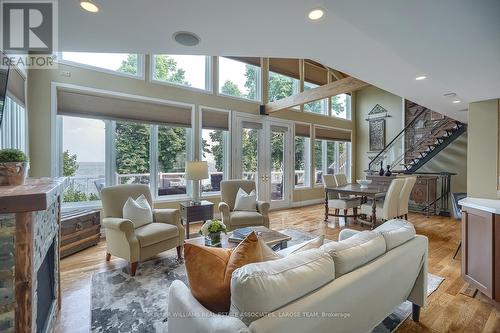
pixel 447 310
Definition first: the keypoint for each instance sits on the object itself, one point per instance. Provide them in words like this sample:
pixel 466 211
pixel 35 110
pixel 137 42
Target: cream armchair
pixel 138 244
pixel 240 219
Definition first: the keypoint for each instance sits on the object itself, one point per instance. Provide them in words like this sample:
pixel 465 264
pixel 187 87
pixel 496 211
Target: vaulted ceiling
pixel 455 43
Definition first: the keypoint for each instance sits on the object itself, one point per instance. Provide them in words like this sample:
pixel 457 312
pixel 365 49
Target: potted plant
pixel 212 230
pixel 14 167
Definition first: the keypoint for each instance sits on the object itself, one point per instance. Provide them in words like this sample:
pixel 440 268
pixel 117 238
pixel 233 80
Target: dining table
pixel 372 191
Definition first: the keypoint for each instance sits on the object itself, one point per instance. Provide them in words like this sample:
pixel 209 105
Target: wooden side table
pixel 191 212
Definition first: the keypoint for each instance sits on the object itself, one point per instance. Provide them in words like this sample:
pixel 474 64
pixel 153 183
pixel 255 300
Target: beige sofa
pixel 138 244
pixel 240 219
pixel 346 286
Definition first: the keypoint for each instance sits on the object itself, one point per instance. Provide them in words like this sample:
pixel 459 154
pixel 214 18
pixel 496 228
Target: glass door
pixel 262 153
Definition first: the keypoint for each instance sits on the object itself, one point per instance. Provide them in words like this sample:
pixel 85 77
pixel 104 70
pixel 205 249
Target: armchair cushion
pixel 246 218
pixel 138 211
pixel 153 233
pixel 245 201
pixel 118 223
pixel 170 216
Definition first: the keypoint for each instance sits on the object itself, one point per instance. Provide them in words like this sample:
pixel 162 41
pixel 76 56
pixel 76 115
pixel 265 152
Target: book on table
pixel 240 234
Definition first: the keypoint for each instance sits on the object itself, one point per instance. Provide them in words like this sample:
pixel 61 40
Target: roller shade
pixel 302 130
pixel 103 106
pixel 279 129
pixel 215 120
pixel 16 85
pixel 285 66
pixel 251 125
pixel 332 134
pixel 315 73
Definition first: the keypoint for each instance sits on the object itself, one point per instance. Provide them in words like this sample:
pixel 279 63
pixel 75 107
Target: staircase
pixel 426 134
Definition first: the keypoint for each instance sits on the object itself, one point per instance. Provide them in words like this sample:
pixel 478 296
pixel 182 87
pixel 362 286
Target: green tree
pixel 338 106
pixel 132 147
pixel 230 88
pixel 70 166
pixel 217 150
pixel 172 148
pixel 129 65
pixel 166 70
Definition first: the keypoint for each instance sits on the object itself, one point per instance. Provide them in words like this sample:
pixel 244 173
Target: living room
pixel 191 176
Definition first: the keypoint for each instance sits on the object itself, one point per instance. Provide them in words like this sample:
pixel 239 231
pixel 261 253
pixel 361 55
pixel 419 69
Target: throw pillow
pixel 138 211
pixel 311 244
pixel 245 201
pixel 209 269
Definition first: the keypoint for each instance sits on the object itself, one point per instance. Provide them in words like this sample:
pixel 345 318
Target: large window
pixel 239 79
pixel 319 107
pixel 281 86
pixel 185 70
pixel 173 152
pixel 124 63
pixel 302 155
pixel 132 141
pixel 215 147
pixel 332 153
pixel 13 133
pixel 341 106
pixel 83 158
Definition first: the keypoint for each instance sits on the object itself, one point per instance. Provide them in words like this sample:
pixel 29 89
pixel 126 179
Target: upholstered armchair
pixel 240 219
pixel 138 244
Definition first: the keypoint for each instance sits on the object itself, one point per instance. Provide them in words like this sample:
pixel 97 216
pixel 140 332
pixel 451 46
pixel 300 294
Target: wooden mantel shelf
pixel 32 196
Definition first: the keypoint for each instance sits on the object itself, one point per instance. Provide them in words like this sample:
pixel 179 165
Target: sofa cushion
pixel 153 233
pixel 396 232
pixel 246 218
pixel 209 269
pixel 308 245
pixel 355 251
pixel 267 286
pixel 138 211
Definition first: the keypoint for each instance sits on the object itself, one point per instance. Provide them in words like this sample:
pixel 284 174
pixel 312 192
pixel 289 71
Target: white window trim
pixel 208 77
pixel 309 157
pixel 226 173
pixel 140 67
pixel 110 167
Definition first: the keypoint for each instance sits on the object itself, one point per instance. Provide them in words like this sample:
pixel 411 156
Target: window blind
pixel 16 85
pixel 83 104
pixel 332 134
pixel 215 120
pixel 302 130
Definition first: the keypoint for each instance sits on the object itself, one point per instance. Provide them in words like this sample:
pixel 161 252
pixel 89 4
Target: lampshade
pixel 196 170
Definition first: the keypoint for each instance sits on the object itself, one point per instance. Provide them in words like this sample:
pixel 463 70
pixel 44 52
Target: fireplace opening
pixel 45 289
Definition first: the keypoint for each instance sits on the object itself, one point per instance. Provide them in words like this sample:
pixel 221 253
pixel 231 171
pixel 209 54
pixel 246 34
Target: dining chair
pixel 456 213
pixel 404 196
pixel 338 202
pixel 388 209
pixel 341 179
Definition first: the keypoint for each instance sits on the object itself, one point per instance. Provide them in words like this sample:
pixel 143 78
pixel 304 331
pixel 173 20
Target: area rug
pixel 121 303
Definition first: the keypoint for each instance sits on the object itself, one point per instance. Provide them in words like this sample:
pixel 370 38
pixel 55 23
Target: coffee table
pixel 276 240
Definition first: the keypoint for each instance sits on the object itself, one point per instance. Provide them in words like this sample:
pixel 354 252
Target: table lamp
pixel 196 171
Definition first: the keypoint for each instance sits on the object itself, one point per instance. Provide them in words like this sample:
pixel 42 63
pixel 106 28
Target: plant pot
pixel 13 173
pixel 213 239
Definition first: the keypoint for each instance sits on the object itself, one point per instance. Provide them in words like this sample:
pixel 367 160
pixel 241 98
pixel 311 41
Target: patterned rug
pixel 121 303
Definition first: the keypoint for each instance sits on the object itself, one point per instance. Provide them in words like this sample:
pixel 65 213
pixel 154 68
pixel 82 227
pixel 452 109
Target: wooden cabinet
pixel 481 251
pixel 191 212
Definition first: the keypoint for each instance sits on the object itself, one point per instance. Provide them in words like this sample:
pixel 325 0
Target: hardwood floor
pixel 447 310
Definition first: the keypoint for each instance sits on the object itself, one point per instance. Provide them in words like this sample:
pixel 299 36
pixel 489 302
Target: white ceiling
pixel 387 43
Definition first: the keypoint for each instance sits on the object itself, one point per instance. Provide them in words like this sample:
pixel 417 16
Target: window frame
pixel 226 174
pixel 140 67
pixel 258 87
pixel 12 132
pixel 309 157
pixel 208 76
pixel 110 159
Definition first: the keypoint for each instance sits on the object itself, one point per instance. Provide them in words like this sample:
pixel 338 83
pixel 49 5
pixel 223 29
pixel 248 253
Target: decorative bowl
pixel 364 182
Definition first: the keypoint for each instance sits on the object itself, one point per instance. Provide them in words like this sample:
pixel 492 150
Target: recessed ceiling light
pixel 186 38
pixel 420 78
pixel 89 6
pixel 456 101
pixel 316 14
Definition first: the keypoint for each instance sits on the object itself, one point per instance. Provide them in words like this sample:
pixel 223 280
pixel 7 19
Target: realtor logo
pixel 27 27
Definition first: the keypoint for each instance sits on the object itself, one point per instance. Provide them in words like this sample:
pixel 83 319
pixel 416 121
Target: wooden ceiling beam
pixel 342 86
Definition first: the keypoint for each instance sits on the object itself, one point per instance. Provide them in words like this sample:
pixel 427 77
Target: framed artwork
pixel 377 134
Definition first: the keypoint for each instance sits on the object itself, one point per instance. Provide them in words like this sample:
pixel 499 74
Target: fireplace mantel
pixel 29 229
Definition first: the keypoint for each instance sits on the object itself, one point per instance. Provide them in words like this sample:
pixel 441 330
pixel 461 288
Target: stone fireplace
pixel 29 255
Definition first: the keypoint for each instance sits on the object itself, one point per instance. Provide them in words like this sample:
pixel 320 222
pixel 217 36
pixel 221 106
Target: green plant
pixel 12 155
pixel 213 226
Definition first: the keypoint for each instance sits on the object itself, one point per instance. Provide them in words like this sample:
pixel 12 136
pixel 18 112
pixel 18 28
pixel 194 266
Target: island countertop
pixel 488 205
